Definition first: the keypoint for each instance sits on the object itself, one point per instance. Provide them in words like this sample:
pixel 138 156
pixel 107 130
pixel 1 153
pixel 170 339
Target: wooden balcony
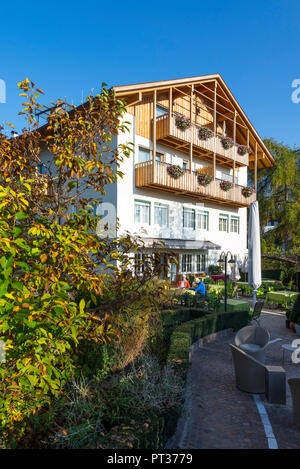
pixel 187 185
pixel 167 133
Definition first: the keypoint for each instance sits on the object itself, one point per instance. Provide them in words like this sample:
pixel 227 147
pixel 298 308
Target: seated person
pixel 183 283
pixel 200 288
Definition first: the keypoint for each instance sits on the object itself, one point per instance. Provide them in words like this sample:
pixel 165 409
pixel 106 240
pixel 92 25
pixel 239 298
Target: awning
pixel 188 244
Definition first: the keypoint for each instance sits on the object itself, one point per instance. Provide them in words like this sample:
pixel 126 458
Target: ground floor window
pixel 139 263
pixel 193 263
pixel 200 262
pixel 186 263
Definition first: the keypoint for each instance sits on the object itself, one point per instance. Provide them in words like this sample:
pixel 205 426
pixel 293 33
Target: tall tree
pixel 279 198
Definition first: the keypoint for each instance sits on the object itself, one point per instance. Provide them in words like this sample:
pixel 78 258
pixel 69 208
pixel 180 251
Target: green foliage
pixel 49 248
pixel 279 198
pixel 124 411
pixel 189 332
pixel 215 270
pixel 294 315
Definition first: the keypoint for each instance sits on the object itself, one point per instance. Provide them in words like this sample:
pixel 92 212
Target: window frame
pixel 194 212
pixel 206 213
pixel 143 202
pixel 236 218
pixel 160 205
pixel 226 216
pixel 162 108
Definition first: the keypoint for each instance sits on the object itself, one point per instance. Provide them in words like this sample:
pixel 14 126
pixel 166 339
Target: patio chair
pixel 249 372
pixel 253 340
pixel 294 384
pixel 256 312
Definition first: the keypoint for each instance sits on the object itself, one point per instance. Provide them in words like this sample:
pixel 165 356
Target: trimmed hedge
pixel 189 332
pixel 174 317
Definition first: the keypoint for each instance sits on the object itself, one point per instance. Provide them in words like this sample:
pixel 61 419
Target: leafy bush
pixel 294 315
pixel 189 332
pixel 215 269
pixel 106 414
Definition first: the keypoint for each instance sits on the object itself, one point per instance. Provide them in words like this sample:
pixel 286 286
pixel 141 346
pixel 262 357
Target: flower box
pixel 182 122
pixel 247 191
pixel 227 142
pixel 225 185
pixel 204 179
pixel 205 133
pixel 175 171
pixel 243 149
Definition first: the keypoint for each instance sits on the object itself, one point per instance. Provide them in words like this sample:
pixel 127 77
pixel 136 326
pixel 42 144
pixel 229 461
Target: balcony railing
pixel 166 131
pixel 187 184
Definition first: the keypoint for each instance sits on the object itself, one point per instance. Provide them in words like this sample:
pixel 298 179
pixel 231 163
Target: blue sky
pixel 68 47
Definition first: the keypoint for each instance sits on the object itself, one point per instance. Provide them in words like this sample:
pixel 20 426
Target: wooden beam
pixel 134 99
pixel 215 129
pixel 154 132
pixel 191 128
pixel 234 140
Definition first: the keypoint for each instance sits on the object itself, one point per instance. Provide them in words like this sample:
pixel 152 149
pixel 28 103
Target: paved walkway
pixel 218 415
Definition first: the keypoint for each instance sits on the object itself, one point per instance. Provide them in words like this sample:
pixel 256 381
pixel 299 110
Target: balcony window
pixel 186 263
pixel 144 155
pixel 235 224
pixel 202 220
pixel 188 218
pixel 161 215
pixel 223 222
pixel 185 164
pixel 161 110
pixel 159 157
pixel 142 212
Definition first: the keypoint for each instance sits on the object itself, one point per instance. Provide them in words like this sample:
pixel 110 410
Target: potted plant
pixel 205 133
pixel 182 122
pixel 247 191
pixel 204 179
pixel 243 149
pixel 227 142
pixel 175 170
pixel 225 185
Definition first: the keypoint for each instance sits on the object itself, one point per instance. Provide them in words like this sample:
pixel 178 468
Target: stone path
pixel 218 415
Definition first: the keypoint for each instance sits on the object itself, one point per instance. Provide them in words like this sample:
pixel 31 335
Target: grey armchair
pixel 249 372
pixel 294 384
pixel 253 340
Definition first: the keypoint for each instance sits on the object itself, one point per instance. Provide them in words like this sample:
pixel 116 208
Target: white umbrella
pixel 235 273
pixel 254 254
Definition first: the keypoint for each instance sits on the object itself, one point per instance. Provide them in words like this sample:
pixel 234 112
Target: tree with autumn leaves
pixel 49 249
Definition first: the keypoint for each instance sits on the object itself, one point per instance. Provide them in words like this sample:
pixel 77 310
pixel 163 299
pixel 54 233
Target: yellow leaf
pixel 43 257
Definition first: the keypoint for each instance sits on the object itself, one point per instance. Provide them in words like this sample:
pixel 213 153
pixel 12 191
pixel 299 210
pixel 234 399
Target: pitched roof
pixel 126 90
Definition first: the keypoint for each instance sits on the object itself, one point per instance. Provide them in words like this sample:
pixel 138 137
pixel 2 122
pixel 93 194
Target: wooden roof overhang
pixel 226 107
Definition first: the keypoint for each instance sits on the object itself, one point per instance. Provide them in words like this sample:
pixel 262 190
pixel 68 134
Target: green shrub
pixel 215 270
pixel 294 314
pixel 189 332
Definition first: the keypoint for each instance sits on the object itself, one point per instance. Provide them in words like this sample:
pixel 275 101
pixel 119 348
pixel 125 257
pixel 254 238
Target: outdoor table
pixel 282 297
pixel 233 305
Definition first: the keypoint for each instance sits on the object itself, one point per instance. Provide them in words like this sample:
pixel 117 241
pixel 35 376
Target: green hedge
pixel 174 317
pixel 189 332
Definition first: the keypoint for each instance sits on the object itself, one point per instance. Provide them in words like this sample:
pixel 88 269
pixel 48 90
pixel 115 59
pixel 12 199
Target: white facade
pixel 158 214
